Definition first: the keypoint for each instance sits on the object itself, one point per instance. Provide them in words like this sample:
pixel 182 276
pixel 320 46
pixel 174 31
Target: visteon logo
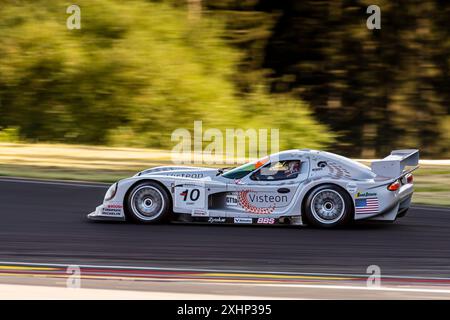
pixel 213 146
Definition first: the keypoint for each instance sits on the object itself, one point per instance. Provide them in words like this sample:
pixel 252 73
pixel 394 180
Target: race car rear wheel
pixel 148 202
pixel 328 206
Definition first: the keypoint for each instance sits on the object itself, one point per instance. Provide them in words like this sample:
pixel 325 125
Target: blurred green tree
pixel 133 73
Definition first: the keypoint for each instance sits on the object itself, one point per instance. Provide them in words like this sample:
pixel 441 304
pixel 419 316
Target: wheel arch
pixel 125 198
pixel 312 188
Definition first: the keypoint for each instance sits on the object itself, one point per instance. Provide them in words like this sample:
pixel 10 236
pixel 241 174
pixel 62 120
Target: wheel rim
pixel 147 203
pixel 327 206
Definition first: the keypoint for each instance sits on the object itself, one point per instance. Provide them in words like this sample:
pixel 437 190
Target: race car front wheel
pixel 148 202
pixel 328 206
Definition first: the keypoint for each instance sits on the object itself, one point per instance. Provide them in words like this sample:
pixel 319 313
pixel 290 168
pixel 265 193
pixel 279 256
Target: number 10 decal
pixel 193 194
pixel 189 197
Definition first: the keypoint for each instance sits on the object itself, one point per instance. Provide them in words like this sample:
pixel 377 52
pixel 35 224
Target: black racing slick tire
pixel 328 206
pixel 148 202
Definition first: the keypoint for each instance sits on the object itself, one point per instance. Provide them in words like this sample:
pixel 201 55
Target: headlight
pixel 111 192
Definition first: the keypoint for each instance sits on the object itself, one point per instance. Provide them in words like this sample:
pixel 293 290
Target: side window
pixel 281 170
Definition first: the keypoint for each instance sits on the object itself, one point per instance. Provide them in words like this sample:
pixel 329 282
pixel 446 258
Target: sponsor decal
pixel 265 221
pixel 114 206
pixel 200 213
pixel 188 175
pixel 112 210
pixel 366 205
pixel 245 203
pixel 267 198
pixel 216 220
pixel 365 194
pixel 243 220
pixel 352 187
pixel 231 200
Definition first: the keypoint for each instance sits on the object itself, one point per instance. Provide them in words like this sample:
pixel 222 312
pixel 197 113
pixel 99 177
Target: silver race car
pixel 291 187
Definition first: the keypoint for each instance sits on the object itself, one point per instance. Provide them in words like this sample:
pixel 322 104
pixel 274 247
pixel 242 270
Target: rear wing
pixel 392 166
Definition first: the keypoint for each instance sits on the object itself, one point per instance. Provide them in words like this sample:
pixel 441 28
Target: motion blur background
pixel 101 102
pixel 137 70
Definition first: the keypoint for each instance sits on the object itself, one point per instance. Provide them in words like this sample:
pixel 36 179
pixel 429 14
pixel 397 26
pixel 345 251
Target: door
pixel 269 191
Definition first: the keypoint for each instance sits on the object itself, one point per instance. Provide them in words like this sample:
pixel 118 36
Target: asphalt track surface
pixel 46 223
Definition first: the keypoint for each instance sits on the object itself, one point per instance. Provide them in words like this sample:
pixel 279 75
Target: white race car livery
pixel 291 187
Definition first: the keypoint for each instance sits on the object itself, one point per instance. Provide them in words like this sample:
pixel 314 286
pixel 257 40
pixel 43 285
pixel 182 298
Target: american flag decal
pixel 366 205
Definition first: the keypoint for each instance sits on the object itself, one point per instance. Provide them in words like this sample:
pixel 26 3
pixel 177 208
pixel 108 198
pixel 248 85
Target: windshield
pixel 245 169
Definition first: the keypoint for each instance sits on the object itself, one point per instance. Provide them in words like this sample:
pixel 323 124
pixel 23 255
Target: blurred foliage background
pixel 137 70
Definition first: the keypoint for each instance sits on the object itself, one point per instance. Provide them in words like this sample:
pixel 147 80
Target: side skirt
pixel 283 221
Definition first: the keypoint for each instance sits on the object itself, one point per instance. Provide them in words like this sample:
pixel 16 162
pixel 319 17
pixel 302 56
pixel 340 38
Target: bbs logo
pixel 266 220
